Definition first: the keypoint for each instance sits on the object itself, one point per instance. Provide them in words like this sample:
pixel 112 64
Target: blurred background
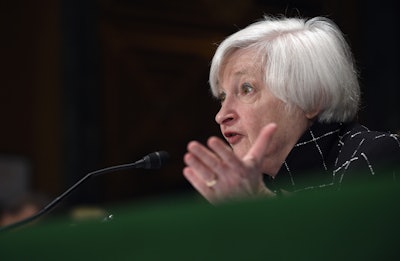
pixel 88 84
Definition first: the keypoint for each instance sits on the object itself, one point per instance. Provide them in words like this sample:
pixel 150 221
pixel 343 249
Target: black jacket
pixel 332 156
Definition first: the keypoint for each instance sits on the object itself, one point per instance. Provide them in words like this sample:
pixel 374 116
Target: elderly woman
pixel 289 95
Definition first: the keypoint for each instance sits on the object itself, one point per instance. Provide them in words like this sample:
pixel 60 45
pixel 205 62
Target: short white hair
pixel 305 62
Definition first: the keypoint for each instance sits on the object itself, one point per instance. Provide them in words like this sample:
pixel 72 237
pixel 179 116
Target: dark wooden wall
pixel 30 108
pixel 89 84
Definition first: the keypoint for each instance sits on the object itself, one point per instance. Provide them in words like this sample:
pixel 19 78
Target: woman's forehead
pixel 239 63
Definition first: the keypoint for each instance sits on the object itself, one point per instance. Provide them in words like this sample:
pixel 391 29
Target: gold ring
pixel 211 183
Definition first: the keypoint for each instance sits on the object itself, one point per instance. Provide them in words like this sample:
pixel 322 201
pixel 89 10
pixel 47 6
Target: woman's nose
pixel 225 115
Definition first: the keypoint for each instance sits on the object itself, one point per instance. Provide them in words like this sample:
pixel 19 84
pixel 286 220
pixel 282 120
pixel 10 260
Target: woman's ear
pixel 311 115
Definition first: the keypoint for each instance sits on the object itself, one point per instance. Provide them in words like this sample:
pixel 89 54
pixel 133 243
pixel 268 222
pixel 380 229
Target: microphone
pixel 154 160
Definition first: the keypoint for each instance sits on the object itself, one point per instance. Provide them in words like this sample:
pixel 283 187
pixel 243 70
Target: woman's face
pixel 247 106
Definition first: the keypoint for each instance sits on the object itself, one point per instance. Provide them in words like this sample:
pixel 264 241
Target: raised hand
pixel 219 175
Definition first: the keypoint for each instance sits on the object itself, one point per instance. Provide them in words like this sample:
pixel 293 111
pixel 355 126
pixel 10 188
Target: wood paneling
pixel 151 82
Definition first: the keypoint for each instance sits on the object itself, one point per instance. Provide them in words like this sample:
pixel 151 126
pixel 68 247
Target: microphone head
pixel 156 160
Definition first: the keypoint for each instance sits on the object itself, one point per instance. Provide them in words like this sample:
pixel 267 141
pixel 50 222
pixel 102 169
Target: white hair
pixel 306 63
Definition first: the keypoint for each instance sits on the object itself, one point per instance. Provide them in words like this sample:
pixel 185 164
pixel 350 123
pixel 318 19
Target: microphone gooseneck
pixel 154 160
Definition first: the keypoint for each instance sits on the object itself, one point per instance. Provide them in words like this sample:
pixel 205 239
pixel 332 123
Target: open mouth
pixel 232 137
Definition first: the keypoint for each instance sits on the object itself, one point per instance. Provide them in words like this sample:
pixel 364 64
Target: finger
pixel 199 184
pixel 199 150
pixel 260 147
pixel 202 170
pixel 202 160
pixel 225 154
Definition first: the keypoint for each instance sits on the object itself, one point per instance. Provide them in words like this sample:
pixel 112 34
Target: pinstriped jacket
pixel 338 154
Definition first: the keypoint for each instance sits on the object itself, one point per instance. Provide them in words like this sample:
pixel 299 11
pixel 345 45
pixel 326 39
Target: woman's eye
pixel 247 88
pixel 221 97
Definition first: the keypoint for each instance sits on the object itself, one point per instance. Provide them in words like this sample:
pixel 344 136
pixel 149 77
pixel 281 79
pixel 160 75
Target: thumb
pixel 259 149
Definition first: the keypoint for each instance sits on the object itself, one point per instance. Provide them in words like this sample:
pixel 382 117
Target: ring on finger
pixel 211 183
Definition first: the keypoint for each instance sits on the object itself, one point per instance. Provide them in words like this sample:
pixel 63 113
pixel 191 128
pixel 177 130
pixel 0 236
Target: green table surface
pixel 357 224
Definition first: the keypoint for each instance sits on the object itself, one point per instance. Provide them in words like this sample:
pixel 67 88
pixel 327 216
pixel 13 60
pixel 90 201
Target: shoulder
pixel 358 139
pixel 361 147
